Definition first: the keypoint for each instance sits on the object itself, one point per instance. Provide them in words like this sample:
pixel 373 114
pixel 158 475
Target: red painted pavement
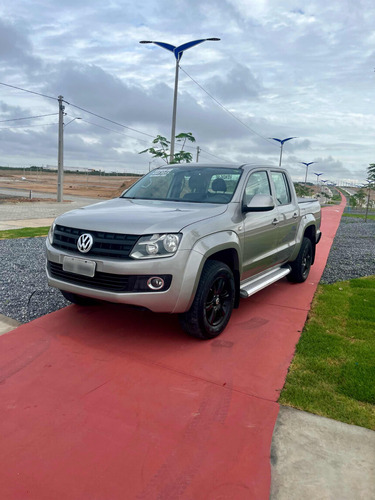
pixel 112 403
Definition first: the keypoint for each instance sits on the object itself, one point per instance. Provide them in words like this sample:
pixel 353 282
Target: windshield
pixel 194 184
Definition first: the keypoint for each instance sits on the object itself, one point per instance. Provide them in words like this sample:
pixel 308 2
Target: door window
pixel 258 183
pixel 280 181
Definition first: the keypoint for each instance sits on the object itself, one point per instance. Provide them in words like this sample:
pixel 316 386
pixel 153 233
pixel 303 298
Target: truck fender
pixel 215 244
pixel 306 227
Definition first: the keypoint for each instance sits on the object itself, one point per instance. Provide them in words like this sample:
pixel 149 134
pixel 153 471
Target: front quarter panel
pixel 204 249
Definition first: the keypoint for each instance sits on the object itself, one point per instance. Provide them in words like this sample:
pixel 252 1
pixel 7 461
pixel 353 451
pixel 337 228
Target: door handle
pixel 275 221
pixel 295 215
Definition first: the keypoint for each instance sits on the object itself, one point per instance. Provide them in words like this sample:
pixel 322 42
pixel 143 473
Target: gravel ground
pixel 24 292
pixel 25 295
pixel 352 253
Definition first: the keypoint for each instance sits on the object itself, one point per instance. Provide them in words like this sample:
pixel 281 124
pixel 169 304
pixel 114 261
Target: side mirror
pixel 259 203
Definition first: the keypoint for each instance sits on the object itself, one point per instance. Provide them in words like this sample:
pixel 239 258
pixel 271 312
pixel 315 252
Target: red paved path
pixel 113 403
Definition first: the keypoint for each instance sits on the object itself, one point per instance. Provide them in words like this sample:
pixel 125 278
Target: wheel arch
pixel 229 256
pixel 310 232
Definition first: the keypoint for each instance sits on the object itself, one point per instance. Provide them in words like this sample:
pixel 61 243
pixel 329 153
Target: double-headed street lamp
pixel 177 51
pixel 307 167
pixel 317 177
pixel 282 141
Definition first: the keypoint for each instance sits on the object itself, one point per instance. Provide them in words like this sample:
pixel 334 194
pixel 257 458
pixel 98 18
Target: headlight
pixel 50 233
pixel 155 246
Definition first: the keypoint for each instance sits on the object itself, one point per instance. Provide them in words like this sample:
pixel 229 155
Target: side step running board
pixel 261 281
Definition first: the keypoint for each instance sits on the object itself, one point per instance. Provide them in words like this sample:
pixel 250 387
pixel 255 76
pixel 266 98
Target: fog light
pixel 155 283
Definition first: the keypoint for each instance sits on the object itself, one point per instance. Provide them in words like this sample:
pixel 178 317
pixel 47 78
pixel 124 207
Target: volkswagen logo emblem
pixel 85 242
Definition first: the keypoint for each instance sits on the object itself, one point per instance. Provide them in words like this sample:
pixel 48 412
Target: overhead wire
pixel 29 91
pixel 106 119
pixel 130 128
pixel 29 126
pixel 225 109
pixel 27 118
pixel 214 156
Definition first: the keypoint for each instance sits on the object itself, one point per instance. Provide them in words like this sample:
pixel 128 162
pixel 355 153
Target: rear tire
pixel 80 300
pixel 301 266
pixel 213 302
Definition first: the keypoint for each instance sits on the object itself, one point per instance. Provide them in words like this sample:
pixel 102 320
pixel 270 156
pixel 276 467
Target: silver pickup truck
pixel 190 239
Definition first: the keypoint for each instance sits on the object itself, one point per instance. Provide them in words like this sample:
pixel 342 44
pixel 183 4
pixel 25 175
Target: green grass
pixel 26 232
pixel 359 216
pixel 333 371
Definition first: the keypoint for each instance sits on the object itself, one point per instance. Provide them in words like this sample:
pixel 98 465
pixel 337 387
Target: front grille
pixel 117 283
pixel 113 245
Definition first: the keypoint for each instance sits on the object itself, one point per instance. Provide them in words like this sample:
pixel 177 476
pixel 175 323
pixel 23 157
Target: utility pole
pixel 198 151
pixel 60 154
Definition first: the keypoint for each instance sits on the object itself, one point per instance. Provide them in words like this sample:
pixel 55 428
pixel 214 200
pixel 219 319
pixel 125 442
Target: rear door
pixel 288 214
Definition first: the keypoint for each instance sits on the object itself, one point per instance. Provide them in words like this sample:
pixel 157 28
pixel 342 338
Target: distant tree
pixel 361 197
pixel 162 145
pixel 353 202
pixel 371 172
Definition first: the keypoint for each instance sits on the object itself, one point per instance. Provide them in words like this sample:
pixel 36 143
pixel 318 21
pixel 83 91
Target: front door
pixel 260 236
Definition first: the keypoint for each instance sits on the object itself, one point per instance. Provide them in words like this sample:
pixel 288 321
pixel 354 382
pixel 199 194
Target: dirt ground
pixel 91 186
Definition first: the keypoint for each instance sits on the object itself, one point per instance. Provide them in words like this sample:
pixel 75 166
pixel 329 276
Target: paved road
pixel 25 193
pixel 38 214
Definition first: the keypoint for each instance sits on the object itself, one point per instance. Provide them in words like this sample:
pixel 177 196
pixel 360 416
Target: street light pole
pixel 177 51
pixel 317 177
pixel 282 141
pixel 307 167
pixel 174 112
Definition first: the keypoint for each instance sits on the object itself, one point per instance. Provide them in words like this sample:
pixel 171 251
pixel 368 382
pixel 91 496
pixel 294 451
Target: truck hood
pixel 127 216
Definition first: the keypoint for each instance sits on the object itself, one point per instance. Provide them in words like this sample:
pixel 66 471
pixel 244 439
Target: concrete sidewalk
pixel 314 457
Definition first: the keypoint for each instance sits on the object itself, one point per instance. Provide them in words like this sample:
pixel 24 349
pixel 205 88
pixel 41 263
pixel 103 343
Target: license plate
pixel 79 266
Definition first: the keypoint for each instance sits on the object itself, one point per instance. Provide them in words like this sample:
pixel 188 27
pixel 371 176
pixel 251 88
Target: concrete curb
pixel 7 324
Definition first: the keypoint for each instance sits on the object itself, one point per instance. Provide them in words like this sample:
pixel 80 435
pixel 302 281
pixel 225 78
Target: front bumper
pixel 183 268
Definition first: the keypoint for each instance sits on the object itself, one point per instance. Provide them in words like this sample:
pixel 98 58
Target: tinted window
pixel 190 184
pixel 258 183
pixel 280 181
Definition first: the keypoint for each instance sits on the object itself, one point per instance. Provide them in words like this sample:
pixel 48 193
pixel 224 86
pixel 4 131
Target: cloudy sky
pixel 282 68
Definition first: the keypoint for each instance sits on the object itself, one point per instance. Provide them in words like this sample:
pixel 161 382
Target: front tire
pixel 301 266
pixel 80 300
pixel 213 302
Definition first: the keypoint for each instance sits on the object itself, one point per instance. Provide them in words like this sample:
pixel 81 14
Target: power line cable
pixel 115 131
pixel 29 126
pixel 107 119
pixel 225 109
pixel 78 107
pixel 27 118
pixel 214 156
pixel 120 124
pixel 29 91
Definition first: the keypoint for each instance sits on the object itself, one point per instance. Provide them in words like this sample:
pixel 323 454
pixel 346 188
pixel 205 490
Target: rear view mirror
pixel 259 203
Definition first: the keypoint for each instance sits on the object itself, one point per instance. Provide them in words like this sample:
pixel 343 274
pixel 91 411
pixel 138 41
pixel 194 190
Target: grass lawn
pixel 359 216
pixel 333 371
pixel 26 232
